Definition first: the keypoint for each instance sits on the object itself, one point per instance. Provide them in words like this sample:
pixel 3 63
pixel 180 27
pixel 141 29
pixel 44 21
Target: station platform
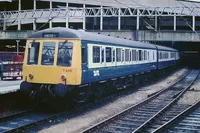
pixel 9 86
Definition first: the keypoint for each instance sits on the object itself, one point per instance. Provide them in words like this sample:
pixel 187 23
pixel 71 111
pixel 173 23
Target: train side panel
pixel 166 58
pixel 94 72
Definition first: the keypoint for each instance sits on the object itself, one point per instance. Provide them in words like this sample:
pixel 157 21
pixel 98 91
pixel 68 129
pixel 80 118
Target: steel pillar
pixel 119 19
pixel 156 23
pixel 84 25
pixel 18 41
pixel 34 21
pixel 193 23
pixel 101 19
pixel 138 20
pixel 67 17
pixel 174 22
pixel 19 20
pixel 50 22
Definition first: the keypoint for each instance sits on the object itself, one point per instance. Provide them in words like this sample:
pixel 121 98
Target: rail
pixel 132 118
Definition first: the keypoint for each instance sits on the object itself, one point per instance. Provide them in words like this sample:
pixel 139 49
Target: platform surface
pixel 9 85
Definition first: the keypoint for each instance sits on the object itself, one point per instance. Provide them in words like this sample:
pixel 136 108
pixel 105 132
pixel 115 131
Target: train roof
pixel 82 35
pixel 59 32
pixel 165 48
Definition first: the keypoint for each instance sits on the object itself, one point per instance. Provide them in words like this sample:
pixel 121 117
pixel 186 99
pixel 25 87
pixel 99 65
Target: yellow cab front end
pixel 51 65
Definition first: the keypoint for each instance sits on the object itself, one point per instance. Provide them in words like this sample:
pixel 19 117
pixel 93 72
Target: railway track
pixel 136 118
pixel 165 115
pixel 187 121
pixel 27 118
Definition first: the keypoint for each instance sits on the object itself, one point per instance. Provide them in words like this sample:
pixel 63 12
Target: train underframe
pixel 87 92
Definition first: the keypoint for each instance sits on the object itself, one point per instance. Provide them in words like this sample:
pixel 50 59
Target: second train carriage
pixel 59 59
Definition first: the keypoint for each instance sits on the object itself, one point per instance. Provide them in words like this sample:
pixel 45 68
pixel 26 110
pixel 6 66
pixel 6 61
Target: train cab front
pixel 51 67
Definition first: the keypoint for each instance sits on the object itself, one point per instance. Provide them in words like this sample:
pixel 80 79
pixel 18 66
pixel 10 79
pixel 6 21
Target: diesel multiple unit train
pixel 59 61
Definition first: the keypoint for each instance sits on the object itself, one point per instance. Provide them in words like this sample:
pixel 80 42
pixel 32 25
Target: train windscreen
pixel 65 54
pixel 48 52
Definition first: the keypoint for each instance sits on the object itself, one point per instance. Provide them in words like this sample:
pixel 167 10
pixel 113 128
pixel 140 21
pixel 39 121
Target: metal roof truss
pixel 100 12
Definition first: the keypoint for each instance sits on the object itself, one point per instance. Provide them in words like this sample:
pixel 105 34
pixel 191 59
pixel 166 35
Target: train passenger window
pixel 33 53
pixel 83 55
pixel 122 55
pixel 65 54
pixel 102 55
pixel 145 55
pixel 118 54
pixel 48 51
pixel 108 54
pixel 130 56
pixel 153 55
pixel 134 57
pixel 113 55
pixel 96 54
pixel 160 55
pixel 126 54
pixel 140 55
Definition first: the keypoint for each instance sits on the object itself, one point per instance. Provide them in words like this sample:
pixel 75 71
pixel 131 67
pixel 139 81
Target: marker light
pixel 63 78
pixel 30 76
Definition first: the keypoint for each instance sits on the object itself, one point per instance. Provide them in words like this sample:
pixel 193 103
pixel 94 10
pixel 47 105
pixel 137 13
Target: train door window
pixel 122 55
pixel 148 55
pixel 134 56
pixel 33 53
pixel 48 51
pixel 83 55
pixel 108 54
pixel 113 56
pixel 102 55
pixel 65 54
pixel 96 54
pixel 126 54
pixel 140 55
pixel 118 54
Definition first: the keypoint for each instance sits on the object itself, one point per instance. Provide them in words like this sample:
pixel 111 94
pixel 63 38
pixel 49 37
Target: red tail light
pixel 63 78
pixel 30 76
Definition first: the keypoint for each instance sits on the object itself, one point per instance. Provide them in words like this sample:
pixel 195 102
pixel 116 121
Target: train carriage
pixel 59 59
pixel 167 57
